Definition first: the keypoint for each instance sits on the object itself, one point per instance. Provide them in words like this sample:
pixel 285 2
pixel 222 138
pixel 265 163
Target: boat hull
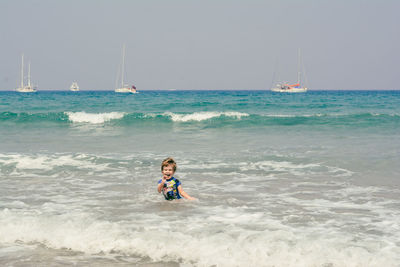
pixel 26 90
pixel 126 90
pixel 290 90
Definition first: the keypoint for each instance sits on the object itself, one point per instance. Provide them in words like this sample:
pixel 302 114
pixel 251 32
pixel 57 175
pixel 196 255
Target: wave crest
pixel 202 116
pixel 95 118
pixel 224 118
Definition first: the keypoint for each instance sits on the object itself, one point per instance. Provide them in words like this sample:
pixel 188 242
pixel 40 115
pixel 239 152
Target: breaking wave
pixel 217 119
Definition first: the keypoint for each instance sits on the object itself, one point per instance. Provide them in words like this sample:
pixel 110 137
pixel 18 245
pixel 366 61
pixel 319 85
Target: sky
pixel 201 44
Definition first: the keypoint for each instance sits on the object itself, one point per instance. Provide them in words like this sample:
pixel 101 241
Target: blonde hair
pixel 168 161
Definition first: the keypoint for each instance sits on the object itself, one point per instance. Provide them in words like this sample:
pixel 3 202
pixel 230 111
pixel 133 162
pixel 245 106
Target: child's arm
pixel 184 194
pixel 161 185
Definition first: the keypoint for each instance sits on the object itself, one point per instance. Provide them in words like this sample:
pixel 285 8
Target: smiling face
pixel 168 171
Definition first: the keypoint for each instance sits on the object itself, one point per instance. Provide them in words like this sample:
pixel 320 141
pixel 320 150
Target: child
pixel 169 185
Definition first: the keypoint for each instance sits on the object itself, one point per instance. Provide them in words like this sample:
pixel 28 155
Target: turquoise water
pixel 281 179
pixel 261 108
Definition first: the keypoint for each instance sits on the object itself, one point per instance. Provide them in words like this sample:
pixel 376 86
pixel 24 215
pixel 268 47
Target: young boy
pixel 169 185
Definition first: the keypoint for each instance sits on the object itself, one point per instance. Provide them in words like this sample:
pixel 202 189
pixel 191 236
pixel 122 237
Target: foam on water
pixel 277 213
pixel 222 240
pixel 25 162
pixel 238 118
pixel 94 118
pixel 201 116
pixel 282 180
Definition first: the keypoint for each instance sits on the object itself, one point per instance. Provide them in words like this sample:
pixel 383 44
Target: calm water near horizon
pixel 306 179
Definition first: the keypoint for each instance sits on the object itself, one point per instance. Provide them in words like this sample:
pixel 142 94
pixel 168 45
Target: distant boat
pixel 285 87
pixel 289 88
pixel 74 87
pixel 28 88
pixel 124 88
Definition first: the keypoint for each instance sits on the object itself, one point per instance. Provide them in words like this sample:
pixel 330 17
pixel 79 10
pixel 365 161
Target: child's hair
pixel 168 161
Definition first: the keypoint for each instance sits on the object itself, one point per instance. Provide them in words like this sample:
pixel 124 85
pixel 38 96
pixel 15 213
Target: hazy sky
pixel 203 44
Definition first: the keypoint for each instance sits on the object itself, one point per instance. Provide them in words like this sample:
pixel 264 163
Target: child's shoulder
pixel 176 180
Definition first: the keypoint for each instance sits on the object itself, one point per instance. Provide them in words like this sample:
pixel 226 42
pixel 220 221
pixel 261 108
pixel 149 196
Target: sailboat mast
pixel 22 71
pixel 29 74
pixel 123 65
pixel 298 67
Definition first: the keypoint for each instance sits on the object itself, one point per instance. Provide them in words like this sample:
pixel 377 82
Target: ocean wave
pixel 28 117
pixel 214 118
pixel 94 118
pixel 204 246
pixel 202 116
pixel 37 164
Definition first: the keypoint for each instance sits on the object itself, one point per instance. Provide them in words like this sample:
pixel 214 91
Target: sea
pixel 308 179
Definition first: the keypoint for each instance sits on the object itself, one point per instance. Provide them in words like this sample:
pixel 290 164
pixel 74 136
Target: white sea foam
pixel 95 118
pixel 201 116
pixel 206 243
pixel 48 162
pixel 270 165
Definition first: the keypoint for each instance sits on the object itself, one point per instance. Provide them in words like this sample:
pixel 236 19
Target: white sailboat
pixel 124 88
pixel 28 88
pixel 74 87
pixel 285 87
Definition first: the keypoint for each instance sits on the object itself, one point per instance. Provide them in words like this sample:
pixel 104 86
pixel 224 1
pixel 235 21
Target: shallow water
pixel 281 180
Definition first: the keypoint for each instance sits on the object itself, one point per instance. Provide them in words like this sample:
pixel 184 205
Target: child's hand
pixel 166 176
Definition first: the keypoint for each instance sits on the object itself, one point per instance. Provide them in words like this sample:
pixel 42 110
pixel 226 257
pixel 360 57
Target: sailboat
pixel 285 87
pixel 74 87
pixel 28 88
pixel 124 88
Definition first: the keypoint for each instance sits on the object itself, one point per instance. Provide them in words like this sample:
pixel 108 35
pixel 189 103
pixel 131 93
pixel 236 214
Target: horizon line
pixel 172 90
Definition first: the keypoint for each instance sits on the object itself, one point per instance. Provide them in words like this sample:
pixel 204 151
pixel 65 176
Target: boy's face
pixel 168 171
